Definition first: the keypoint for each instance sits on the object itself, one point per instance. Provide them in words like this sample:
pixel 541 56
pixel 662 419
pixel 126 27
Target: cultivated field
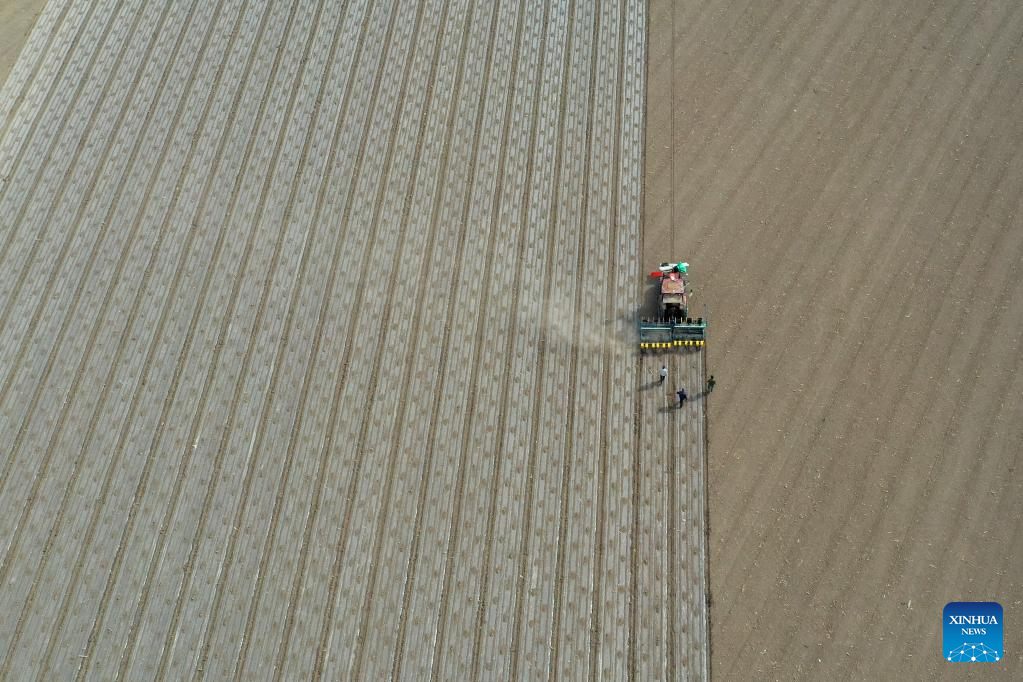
pixel 846 179
pixel 316 349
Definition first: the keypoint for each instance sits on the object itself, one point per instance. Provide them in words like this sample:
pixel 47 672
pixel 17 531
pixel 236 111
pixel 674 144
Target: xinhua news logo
pixel 972 632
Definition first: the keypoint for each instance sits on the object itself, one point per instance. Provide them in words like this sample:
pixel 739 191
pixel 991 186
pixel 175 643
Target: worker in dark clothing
pixel 682 397
pixel 663 374
pixel 710 384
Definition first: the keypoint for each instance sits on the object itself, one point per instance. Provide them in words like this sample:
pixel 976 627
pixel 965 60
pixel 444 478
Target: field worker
pixel 682 267
pixel 663 373
pixel 710 383
pixel 682 397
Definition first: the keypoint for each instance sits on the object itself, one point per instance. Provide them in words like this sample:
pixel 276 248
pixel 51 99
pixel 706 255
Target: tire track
pixel 411 565
pixel 637 425
pixel 696 644
pixel 637 432
pixel 706 623
pixel 502 421
pixel 600 527
pixel 672 531
pixel 634 549
pixel 469 420
pixel 671 212
pixel 672 635
pixel 80 370
pixel 684 602
pixel 157 436
pixel 183 466
pixel 43 469
pixel 63 611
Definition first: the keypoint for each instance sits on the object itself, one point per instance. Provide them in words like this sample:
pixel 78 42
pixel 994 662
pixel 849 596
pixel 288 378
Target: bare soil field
pixel 317 354
pixel 846 179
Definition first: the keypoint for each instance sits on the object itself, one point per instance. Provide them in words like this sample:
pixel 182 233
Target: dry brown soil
pixel 845 179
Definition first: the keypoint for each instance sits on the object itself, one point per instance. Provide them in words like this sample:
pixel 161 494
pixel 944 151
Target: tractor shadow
pixel 650 307
pixel 627 325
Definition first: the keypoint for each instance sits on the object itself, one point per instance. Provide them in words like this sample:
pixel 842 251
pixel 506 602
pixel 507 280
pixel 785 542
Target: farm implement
pixel 672 328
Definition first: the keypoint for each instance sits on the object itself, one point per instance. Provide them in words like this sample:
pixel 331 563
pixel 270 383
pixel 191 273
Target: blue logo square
pixel 972 632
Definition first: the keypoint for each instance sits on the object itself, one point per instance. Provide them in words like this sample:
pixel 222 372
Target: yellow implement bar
pixel 670 344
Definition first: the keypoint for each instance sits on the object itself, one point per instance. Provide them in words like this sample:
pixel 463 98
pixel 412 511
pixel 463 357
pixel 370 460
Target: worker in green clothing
pixel 710 383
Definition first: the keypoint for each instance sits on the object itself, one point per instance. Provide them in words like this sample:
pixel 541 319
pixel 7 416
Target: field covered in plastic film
pixel 317 353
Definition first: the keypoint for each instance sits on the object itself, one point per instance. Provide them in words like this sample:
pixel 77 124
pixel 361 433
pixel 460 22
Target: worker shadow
pixel 674 407
pixel 650 384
